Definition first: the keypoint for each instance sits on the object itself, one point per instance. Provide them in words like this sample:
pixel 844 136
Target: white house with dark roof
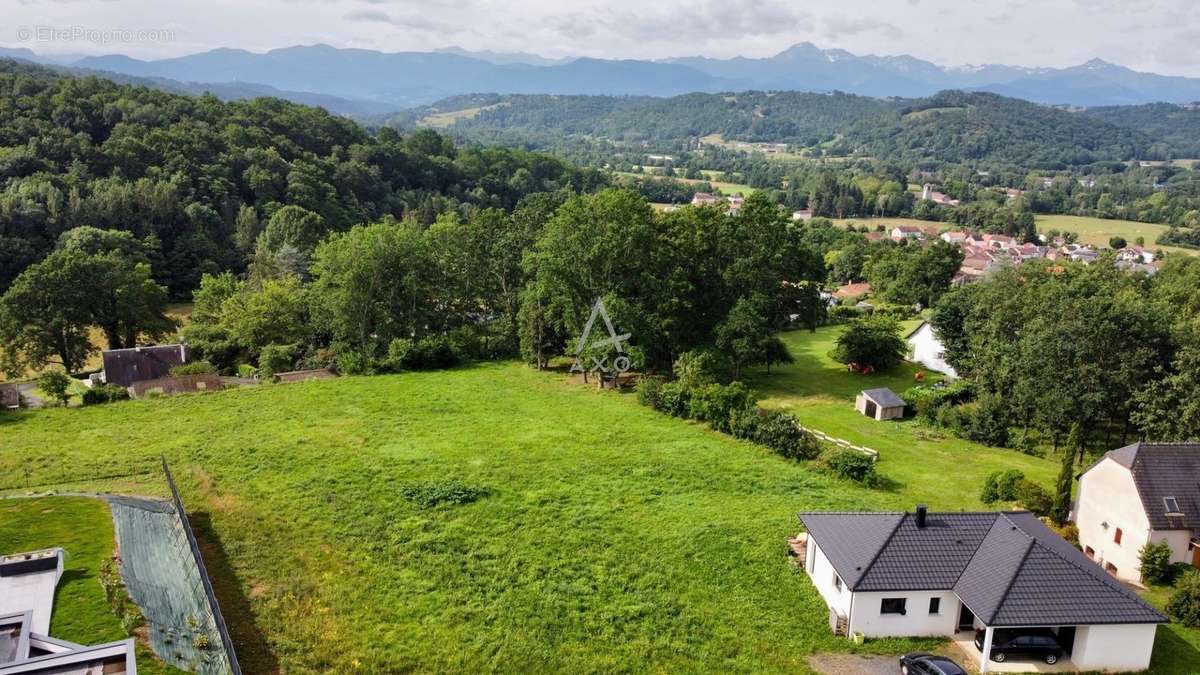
pixel 1141 493
pixel 936 574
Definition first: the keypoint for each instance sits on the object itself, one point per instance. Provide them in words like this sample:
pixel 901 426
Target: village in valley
pixel 662 365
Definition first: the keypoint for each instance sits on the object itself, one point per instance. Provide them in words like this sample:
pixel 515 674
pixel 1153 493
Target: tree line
pixel 1049 347
pixel 199 180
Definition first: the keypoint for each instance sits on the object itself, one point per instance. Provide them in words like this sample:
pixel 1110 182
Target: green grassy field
pixel 1098 231
pixel 1095 231
pixel 725 187
pixel 612 538
pixel 83 527
pixel 820 393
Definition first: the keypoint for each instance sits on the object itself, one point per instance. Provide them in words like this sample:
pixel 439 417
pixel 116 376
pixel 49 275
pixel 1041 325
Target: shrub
pixel 1068 531
pixel 1001 486
pixel 104 393
pixel 781 432
pixel 699 367
pixel 1033 497
pixel 1156 562
pixel 194 368
pixel 988 423
pixel 926 400
pixel 426 495
pixel 715 403
pixel 673 399
pixel 954 418
pixel 852 464
pixel 277 359
pixel 744 423
pixel 352 362
pixel 1184 603
pixel 648 390
pixel 428 353
pixel 841 313
pixel 56 384
pixel 894 311
pixel 246 370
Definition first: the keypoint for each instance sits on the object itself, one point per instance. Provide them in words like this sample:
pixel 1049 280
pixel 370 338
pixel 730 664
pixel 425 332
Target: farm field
pixel 1095 231
pixel 725 187
pixel 1098 231
pixel 83 527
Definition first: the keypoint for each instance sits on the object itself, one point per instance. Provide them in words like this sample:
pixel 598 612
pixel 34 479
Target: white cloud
pixel 1154 35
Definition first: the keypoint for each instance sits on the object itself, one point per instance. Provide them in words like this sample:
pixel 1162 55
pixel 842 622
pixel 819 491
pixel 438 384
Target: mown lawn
pixel 83 527
pixel 1176 647
pixel 923 464
pixel 613 538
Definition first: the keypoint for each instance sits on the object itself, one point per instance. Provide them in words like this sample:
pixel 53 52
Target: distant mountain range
pixel 355 80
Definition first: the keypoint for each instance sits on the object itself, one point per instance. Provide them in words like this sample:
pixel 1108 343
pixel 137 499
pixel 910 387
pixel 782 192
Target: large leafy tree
pixel 872 341
pixel 370 286
pixel 47 314
pixel 914 274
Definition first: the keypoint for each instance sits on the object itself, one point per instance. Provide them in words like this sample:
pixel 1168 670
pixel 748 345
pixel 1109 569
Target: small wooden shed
pixel 879 404
pixel 10 396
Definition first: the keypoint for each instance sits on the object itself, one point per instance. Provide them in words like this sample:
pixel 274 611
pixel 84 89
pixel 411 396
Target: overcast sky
pixel 1154 35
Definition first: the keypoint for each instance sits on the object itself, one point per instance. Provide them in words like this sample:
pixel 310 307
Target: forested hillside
pixel 1175 128
pixel 196 181
pixel 953 127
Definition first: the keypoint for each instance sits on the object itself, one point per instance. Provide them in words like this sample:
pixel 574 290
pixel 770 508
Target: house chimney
pixel 922 510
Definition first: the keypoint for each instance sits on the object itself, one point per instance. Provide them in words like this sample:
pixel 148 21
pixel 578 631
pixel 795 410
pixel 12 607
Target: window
pixel 893 606
pixel 1172 505
pixel 935 605
pixel 837 582
pixel 1089 552
pixel 1110 568
pixel 1117 537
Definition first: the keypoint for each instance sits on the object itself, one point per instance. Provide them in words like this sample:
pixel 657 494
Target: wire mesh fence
pixel 164 573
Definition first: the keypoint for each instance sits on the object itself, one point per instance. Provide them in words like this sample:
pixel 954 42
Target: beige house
pixel 1142 493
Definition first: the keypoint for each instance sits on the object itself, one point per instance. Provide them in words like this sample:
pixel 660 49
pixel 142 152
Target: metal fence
pixel 222 629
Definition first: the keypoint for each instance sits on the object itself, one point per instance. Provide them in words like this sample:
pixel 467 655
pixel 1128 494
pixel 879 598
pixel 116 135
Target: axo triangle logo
pixel 620 363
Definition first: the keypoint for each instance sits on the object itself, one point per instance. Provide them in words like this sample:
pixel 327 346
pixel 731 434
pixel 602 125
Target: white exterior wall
pixel 821 571
pixel 1178 540
pixel 1123 647
pixel 1107 494
pixel 928 350
pixel 916 622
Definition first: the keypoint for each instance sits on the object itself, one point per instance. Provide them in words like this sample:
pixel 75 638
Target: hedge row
pixel 732 409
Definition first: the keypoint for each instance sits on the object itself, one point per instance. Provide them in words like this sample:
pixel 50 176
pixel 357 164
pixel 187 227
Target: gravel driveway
pixel 853 664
